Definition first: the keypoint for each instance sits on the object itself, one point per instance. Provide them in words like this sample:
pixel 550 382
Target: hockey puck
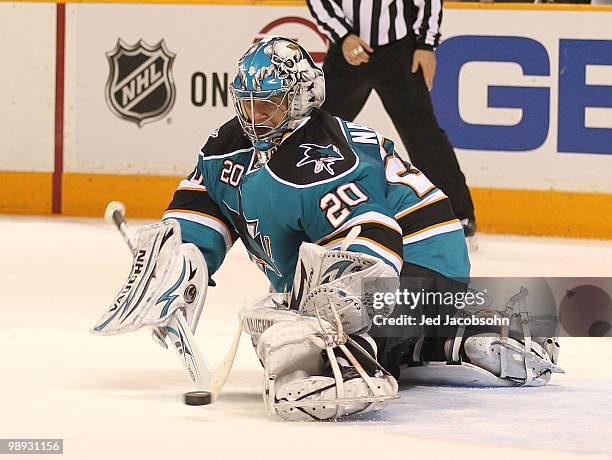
pixel 198 398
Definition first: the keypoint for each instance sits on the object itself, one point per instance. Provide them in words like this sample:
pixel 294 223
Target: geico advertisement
pixel 526 97
pixel 522 108
pixel 528 102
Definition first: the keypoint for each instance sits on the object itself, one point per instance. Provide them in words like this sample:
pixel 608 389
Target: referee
pixel 388 46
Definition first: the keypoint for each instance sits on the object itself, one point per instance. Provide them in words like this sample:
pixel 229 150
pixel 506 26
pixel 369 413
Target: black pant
pixel 407 101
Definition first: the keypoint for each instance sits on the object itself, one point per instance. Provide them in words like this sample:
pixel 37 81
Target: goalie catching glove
pixel 166 276
pixel 345 280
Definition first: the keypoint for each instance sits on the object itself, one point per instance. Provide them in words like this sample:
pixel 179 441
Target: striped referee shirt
pixel 379 22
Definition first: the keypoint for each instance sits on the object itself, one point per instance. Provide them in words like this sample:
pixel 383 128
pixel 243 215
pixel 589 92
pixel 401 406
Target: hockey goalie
pixel 330 213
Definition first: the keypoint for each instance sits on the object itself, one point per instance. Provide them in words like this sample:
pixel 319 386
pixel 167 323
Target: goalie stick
pixel 201 374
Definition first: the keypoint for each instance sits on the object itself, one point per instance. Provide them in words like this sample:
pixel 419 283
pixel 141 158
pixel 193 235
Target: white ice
pixel 119 397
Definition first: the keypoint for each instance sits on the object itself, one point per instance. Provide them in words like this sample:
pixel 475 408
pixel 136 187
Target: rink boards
pixel 524 93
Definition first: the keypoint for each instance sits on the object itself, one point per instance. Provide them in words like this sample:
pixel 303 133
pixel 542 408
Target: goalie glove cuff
pixel 351 279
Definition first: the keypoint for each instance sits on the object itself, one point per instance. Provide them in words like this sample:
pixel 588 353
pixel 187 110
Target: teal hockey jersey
pixel 326 177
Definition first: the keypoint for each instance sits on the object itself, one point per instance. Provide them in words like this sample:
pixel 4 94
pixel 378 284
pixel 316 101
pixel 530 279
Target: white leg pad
pixel 295 386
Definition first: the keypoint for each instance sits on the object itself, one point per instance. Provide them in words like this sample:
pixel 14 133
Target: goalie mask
pixel 277 85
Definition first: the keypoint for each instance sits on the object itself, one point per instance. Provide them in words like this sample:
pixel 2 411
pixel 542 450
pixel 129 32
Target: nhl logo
pixel 140 86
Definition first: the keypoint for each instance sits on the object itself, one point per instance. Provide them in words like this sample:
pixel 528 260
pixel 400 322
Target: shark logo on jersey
pixel 323 158
pixel 140 87
pixel 256 244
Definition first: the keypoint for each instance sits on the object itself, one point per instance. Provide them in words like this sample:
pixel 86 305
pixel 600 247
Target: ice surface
pixel 120 397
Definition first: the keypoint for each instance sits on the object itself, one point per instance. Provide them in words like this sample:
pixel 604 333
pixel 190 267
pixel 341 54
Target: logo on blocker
pixel 140 86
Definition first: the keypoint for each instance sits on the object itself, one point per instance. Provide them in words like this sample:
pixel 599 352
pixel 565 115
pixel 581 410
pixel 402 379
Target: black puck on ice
pixel 198 398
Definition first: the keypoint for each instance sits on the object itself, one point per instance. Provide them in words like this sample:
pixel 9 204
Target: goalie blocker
pixel 166 276
pixel 166 291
